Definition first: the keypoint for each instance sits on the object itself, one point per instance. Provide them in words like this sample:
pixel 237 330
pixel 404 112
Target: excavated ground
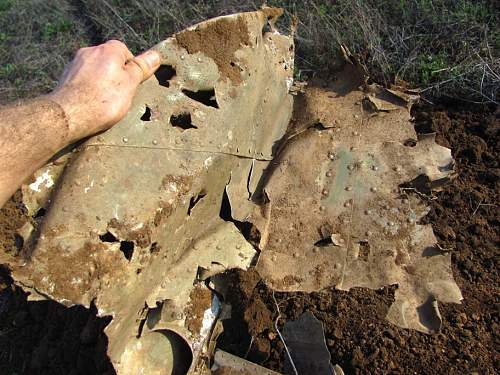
pixel 47 338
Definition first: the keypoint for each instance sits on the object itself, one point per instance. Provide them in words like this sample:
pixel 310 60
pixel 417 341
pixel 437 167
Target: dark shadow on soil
pixel 45 337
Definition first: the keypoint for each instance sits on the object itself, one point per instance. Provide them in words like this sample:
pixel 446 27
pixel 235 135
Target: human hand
pixel 97 87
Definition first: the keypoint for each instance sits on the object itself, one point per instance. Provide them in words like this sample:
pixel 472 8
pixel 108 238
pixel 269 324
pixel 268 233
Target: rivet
pixel 410 220
pixel 373 189
pixel 350 167
pixel 390 223
pixel 336 266
pixel 368 212
pixel 387 207
pixel 273 258
pixel 355 133
pixel 183 57
pixel 347 204
pixel 280 240
pixel 397 168
pixel 353 148
pixel 321 208
pixel 328 174
pixel 199 59
pixel 356 116
pixel 331 155
pixel 155 142
pixel 375 168
pixel 238 246
pixel 325 192
pixel 315 250
pixel 125 139
pixel 295 255
pixel 348 188
pixel 218 247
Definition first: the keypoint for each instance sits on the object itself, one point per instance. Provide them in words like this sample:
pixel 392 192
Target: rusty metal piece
pixel 362 174
pixel 135 219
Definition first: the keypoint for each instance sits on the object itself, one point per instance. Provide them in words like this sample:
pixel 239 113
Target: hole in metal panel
pixel 205 97
pixel 164 74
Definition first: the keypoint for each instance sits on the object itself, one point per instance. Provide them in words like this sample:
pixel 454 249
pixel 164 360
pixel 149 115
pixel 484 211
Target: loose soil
pixel 47 338
pixel 233 33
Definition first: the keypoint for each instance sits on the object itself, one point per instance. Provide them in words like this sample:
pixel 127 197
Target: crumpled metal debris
pixel 337 214
pixel 134 220
pixel 228 364
pixel 133 223
pixel 305 340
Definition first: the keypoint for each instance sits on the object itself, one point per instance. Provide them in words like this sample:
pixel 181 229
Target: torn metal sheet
pixel 134 220
pixel 306 344
pixel 227 364
pixel 337 215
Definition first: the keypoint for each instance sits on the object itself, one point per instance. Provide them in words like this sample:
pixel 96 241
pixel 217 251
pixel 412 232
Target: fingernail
pixel 152 58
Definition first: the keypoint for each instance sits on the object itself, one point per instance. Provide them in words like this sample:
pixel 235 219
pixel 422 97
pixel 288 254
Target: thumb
pixel 143 66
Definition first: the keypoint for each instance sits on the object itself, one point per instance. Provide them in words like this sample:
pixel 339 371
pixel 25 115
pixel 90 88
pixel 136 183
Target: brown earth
pixel 47 338
pixel 232 33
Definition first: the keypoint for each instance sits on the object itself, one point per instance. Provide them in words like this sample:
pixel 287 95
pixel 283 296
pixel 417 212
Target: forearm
pixel 30 133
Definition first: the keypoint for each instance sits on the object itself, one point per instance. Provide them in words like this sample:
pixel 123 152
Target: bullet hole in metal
pixel 108 237
pixel 421 183
pixel 327 241
pixel 39 213
pixel 410 142
pixel 127 248
pixel 364 250
pixel 194 200
pixel 164 74
pixel 147 114
pixel 154 248
pixel 182 121
pixel 205 97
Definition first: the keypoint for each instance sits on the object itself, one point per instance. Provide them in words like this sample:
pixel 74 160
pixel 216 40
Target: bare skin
pixel 94 93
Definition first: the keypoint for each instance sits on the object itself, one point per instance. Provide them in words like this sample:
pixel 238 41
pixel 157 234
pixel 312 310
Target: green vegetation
pixel 445 47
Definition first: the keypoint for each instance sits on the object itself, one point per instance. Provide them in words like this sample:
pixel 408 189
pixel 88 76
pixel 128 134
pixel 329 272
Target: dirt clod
pixel 219 41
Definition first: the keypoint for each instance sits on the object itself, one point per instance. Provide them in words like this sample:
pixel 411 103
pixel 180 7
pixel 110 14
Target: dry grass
pixel 445 47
